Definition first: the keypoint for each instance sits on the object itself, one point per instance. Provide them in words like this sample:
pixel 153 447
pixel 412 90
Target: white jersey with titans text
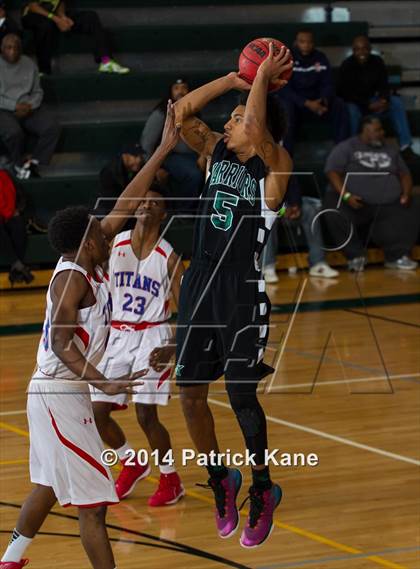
pixel 140 288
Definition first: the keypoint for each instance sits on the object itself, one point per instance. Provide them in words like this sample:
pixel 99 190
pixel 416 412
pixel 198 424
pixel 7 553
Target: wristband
pixel 50 15
pixel 281 211
pixel 346 197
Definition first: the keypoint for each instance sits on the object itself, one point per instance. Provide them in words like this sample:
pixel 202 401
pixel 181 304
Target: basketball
pixel 254 54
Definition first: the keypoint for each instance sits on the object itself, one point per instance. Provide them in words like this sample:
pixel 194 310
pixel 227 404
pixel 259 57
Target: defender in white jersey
pixel 144 271
pixel 65 446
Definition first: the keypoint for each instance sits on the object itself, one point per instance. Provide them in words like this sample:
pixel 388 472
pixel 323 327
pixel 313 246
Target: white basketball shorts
pixel 128 351
pixel 65 446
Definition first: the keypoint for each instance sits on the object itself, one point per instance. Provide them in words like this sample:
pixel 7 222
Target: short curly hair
pixel 67 228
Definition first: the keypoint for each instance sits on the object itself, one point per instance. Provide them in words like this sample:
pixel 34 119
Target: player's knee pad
pixel 248 412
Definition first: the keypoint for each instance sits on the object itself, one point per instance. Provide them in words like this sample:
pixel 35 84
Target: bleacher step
pixel 379 13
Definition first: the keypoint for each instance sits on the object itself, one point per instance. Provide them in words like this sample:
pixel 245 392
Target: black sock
pixel 217 472
pixel 261 479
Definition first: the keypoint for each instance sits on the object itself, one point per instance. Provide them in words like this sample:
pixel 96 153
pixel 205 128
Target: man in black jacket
pixel 363 84
pixel 310 91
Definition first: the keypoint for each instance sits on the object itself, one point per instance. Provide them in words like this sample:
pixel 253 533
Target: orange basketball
pixel 254 54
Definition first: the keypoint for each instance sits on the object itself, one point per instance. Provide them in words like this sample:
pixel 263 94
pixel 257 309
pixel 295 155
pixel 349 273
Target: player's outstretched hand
pixel 124 384
pixel 160 357
pixel 170 135
pixel 275 65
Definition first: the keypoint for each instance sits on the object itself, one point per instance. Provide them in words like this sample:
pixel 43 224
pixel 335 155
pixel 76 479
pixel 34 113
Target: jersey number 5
pixel 224 217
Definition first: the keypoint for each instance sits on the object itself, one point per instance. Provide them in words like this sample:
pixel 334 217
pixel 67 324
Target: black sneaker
pixel 20 275
pixel 28 277
pixel 409 156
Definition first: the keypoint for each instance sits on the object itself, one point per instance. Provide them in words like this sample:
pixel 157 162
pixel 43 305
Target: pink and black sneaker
pixel 225 493
pixel 260 518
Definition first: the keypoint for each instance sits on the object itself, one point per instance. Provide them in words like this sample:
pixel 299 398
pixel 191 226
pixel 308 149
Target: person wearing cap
pixel 117 173
pixel 48 18
pixel 7 24
pixel 180 169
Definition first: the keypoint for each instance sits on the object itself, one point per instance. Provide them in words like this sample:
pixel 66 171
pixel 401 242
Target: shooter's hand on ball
pixel 160 357
pixel 237 82
pixel 170 135
pixel 124 384
pixel 274 65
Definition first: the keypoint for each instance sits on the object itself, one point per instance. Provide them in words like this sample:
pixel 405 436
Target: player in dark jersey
pixel 223 309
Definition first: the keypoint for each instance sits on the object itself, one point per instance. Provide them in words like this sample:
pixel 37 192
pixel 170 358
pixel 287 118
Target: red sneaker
pixel 128 478
pixel 169 491
pixel 14 564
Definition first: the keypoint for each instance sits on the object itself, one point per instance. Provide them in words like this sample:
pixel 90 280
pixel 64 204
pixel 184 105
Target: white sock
pixel 122 451
pixel 165 469
pixel 16 548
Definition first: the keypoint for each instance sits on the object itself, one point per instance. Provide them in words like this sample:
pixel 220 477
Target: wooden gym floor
pixel 346 387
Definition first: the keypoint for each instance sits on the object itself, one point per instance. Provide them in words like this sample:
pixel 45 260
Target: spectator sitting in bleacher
pixel 310 91
pixel 7 24
pixel 363 84
pixel 117 173
pixel 46 18
pixel 13 229
pixel 181 165
pixel 300 210
pixel 381 199
pixel 21 110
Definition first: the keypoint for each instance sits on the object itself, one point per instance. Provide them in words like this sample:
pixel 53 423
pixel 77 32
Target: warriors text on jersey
pixel 233 220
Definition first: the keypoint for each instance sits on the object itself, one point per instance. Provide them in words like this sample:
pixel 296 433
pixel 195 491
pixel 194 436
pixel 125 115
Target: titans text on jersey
pixel 142 282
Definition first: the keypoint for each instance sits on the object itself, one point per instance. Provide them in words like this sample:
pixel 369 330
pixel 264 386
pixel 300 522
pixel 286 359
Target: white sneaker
pixel 323 270
pixel 113 67
pixel 22 172
pixel 402 264
pixel 270 274
pixel 357 264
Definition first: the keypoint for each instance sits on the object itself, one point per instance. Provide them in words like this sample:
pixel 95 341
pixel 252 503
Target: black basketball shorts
pixel 222 327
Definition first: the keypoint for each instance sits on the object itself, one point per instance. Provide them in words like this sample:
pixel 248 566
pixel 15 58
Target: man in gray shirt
pixel 370 185
pixel 21 109
pixel 180 169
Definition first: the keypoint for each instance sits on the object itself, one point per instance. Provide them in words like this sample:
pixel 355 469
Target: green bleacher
pixel 105 137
